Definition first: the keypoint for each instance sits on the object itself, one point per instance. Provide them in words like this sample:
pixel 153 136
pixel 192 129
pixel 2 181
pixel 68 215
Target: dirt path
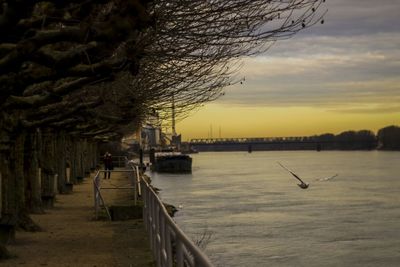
pixel 71 237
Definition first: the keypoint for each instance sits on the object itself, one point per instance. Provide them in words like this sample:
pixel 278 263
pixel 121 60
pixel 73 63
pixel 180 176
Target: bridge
pixel 256 143
pixel 278 143
pixel 252 140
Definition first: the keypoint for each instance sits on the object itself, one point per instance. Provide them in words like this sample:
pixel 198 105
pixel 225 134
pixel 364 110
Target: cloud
pixel 358 17
pixel 374 109
pixel 373 43
pixel 349 64
pixel 340 73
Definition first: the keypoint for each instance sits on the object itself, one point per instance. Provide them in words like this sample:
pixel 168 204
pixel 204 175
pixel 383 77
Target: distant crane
pixel 302 184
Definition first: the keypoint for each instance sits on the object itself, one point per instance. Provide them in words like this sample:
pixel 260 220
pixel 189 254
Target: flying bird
pixel 302 184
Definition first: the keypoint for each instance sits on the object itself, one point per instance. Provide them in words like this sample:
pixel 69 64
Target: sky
pixel 342 75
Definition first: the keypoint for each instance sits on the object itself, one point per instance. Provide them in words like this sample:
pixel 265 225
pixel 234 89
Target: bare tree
pixel 195 48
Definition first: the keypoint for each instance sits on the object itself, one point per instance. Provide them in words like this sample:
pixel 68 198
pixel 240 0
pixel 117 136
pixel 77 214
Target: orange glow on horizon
pixel 222 121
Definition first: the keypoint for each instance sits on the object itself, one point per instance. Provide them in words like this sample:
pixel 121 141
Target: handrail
pixel 170 245
pixel 98 198
pixel 119 161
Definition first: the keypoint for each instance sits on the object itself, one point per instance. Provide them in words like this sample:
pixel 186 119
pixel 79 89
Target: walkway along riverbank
pixel 71 236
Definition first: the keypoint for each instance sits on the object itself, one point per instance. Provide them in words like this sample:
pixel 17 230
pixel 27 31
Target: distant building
pixel 146 137
pixel 176 141
pixel 150 136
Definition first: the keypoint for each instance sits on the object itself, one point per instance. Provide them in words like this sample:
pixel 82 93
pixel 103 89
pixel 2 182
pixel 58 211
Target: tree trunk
pixel 48 162
pixel 33 194
pixel 4 254
pixel 60 160
pixel 17 181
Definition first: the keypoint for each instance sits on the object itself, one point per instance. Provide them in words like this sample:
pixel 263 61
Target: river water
pixel 251 212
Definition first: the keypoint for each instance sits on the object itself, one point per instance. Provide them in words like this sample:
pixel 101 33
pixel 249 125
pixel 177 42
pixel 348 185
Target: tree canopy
pixel 95 67
pixel 389 138
pixel 195 48
pixel 60 63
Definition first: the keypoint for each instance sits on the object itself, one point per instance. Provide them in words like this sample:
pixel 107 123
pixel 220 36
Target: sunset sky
pixel 342 75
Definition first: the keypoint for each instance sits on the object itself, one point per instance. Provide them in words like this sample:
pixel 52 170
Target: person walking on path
pixel 108 165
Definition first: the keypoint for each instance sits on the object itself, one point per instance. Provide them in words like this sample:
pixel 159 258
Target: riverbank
pixel 71 236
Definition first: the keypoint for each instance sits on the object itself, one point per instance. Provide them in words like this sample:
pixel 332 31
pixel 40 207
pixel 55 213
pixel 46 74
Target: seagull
pixel 302 184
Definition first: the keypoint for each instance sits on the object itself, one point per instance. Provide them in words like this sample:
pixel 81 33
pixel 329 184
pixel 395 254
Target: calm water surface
pixel 258 216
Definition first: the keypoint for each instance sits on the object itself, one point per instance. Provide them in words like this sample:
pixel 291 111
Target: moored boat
pixel 172 162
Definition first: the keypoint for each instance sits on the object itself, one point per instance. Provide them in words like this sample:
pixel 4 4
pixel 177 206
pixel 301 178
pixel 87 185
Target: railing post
pixel 152 225
pixel 135 187
pixel 168 246
pixel 139 190
pixel 179 253
pixel 158 235
pixel 96 194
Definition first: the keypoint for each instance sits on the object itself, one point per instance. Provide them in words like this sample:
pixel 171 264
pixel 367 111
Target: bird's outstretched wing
pixel 294 175
pixel 332 176
pixel 297 177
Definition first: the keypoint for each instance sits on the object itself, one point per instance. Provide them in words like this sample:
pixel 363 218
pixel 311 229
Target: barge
pixel 172 162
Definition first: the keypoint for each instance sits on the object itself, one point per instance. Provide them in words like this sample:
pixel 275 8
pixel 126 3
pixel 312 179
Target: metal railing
pixel 119 161
pixel 97 188
pixel 169 244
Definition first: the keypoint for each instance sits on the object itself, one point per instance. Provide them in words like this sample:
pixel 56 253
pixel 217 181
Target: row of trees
pixel 387 138
pixel 77 73
pixel 348 140
pixel 60 68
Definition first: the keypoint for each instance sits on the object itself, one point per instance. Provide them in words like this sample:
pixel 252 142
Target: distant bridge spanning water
pixel 277 143
pixel 252 139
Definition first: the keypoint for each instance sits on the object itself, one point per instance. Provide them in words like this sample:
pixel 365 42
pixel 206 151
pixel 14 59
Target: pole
pixel 138 183
pixel 152 156
pixel 173 116
pixel 141 157
pixel 135 185
pixel 95 190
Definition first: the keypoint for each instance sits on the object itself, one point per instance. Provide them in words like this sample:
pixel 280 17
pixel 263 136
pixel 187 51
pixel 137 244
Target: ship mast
pixel 173 116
